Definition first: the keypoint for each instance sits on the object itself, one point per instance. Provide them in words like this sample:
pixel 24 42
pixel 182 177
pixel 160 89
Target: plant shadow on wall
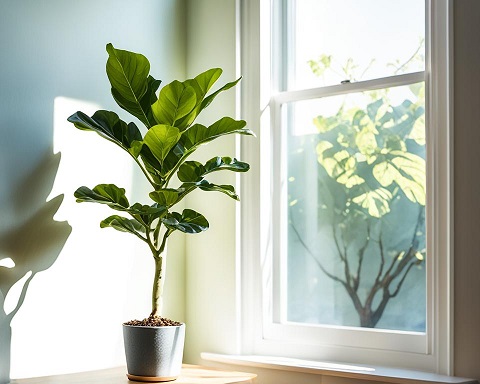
pixel 31 244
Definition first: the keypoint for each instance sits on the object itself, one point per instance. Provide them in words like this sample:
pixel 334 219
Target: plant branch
pixel 402 280
pixel 319 264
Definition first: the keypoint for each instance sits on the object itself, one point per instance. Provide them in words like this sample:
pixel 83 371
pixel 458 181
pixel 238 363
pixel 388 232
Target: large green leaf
pixel 123 224
pixel 188 222
pixel 197 135
pixel 192 171
pixel 143 110
pixel 108 194
pixel 209 187
pixel 152 165
pixel 160 139
pixel 147 213
pixel 201 85
pixel 132 87
pixel 108 125
pixel 166 197
pixel 175 101
pixel 206 102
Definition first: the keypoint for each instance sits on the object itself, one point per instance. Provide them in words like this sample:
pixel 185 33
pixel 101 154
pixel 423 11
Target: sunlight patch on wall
pixel 7 263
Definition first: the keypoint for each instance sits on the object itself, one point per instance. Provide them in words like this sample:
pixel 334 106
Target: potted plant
pixel 154 346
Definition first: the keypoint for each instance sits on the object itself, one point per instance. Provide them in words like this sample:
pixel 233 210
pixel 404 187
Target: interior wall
pixel 90 280
pixel 212 301
pixel 467 188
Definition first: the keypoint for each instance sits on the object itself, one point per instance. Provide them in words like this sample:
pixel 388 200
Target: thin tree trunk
pixel 157 292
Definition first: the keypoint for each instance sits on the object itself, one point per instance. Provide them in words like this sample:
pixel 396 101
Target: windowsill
pixel 351 371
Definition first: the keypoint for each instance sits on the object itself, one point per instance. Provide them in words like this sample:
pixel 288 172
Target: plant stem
pixel 157 287
pixel 157 291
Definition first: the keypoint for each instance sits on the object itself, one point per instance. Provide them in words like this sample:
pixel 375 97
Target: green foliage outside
pixel 371 183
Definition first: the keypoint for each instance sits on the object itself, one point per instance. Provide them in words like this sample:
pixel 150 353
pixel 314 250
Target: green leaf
pixel 192 171
pixel 197 135
pixel 209 187
pixel 201 84
pixel 143 110
pixel 377 202
pixel 108 125
pixel 225 163
pixel 175 101
pixel 188 222
pixel 108 194
pixel 160 139
pixel 132 87
pixel 166 197
pixel 123 224
pixel 143 209
pixel 206 102
pixel 152 165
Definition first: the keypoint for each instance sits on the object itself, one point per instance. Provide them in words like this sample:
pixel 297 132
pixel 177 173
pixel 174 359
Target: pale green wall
pixel 72 314
pixel 210 267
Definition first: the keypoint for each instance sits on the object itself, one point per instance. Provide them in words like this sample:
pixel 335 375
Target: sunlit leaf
pixel 175 101
pixel 132 87
pixel 376 202
pixel 161 139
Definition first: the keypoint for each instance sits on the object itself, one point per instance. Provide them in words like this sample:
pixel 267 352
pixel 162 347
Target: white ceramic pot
pixel 154 354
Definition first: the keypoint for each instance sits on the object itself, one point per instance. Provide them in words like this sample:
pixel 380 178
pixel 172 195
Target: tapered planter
pixel 154 354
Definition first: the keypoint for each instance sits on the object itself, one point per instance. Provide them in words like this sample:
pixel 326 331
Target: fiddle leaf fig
pixel 197 135
pixel 108 125
pixel 176 100
pixel 192 171
pixel 108 194
pixel 225 163
pixel 201 84
pixel 189 221
pixel 165 197
pixel 204 185
pixel 161 152
pixel 206 102
pixel 160 139
pixel 123 224
pixel 132 87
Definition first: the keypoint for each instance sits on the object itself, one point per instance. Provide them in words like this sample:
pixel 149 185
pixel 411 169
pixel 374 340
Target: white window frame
pixel 262 336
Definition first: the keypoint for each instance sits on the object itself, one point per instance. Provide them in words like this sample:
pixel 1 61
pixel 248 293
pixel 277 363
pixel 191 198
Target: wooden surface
pixel 191 374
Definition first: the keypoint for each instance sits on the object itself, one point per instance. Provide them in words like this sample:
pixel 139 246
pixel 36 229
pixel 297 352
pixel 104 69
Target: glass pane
pixel 336 40
pixel 356 209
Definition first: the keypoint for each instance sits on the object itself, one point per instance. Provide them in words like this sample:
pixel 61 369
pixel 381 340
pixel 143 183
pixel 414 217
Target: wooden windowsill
pixel 341 370
pixel 191 374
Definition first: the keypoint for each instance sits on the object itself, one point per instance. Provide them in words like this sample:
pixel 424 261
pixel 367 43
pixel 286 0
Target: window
pixel 346 245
